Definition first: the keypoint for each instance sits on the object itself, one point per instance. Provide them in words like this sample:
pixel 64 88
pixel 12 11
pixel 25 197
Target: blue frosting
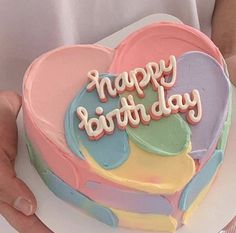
pixel 200 181
pixel 127 200
pixel 65 192
pixel 109 152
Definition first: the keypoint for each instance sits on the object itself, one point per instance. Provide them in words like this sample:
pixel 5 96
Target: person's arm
pixel 17 202
pixel 224 33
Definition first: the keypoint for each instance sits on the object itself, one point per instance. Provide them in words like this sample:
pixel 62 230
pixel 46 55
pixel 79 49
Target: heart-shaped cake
pixel 133 135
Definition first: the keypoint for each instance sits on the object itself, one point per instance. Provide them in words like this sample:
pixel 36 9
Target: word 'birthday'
pixel 162 77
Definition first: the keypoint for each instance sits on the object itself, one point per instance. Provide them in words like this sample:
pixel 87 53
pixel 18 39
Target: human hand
pixel 231 64
pixel 224 33
pixel 17 202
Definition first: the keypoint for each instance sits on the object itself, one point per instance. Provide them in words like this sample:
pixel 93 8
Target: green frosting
pixel 34 158
pixel 167 137
pixel 225 132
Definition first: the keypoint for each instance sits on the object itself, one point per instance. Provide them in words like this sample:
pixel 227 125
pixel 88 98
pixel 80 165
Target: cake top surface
pixel 192 75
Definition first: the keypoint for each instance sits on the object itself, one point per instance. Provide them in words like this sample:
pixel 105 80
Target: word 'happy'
pixel 161 76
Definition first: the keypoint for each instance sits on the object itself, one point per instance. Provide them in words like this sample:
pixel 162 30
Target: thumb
pixel 11 100
pixel 10 103
pixel 13 191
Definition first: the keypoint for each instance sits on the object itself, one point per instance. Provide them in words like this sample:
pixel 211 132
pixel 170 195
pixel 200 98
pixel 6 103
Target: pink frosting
pixel 45 127
pixel 159 41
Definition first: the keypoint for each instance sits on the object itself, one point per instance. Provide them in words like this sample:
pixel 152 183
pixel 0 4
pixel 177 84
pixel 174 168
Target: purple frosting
pixel 197 70
pixel 128 200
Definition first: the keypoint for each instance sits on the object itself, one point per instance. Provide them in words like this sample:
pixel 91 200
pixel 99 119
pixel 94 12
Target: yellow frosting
pixel 187 215
pixel 149 222
pixel 149 172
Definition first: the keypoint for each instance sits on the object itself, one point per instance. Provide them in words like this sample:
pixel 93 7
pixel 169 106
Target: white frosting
pixel 157 73
pixel 137 79
pixel 195 116
pixel 129 113
pixel 177 103
pixel 133 114
pixel 101 84
pixel 99 111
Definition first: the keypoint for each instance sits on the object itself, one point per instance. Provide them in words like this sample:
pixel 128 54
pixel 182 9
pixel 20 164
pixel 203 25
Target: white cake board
pixel 216 210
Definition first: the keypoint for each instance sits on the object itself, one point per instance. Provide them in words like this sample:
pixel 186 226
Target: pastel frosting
pixel 201 180
pixel 100 150
pixel 158 175
pixel 110 216
pixel 65 192
pixel 149 177
pixel 159 41
pixel 160 139
pixel 208 79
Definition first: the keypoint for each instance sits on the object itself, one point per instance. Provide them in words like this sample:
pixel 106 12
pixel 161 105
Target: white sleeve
pixel 29 28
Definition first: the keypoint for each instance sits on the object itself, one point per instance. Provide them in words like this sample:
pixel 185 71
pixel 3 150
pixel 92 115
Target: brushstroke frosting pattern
pixel 109 216
pixel 100 150
pixel 201 180
pixel 113 216
pixel 160 192
pixel 160 139
pixel 65 192
pixel 204 73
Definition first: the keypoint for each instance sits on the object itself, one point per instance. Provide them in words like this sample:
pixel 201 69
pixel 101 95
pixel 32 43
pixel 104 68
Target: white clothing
pixel 29 28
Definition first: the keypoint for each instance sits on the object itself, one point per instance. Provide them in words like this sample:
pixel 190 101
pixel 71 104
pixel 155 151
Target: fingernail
pixel 23 205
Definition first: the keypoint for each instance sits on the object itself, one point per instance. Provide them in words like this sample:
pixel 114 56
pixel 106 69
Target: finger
pixel 10 104
pixel 12 100
pixel 13 191
pixel 231 65
pixel 22 223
